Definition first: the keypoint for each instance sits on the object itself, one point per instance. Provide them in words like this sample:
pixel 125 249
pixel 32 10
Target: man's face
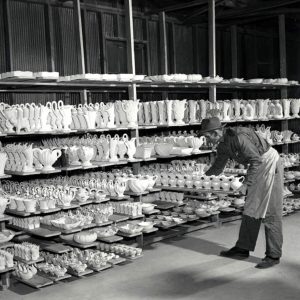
pixel 214 136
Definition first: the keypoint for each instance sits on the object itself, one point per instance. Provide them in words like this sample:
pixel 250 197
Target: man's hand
pixel 243 189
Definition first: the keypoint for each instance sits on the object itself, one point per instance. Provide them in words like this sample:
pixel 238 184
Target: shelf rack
pixel 133 87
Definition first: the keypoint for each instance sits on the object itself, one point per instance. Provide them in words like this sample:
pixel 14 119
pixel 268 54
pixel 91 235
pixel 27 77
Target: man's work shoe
pixel 268 262
pixel 235 252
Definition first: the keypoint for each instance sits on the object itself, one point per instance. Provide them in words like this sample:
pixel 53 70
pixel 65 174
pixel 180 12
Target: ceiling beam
pixel 242 13
pixel 186 4
pixel 201 12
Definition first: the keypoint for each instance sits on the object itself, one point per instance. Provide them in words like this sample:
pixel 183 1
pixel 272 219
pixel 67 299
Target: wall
pixel 105 43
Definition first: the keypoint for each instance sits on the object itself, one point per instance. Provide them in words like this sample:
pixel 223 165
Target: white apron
pixel 259 194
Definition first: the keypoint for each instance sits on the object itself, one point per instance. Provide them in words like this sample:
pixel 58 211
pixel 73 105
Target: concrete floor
pixel 187 268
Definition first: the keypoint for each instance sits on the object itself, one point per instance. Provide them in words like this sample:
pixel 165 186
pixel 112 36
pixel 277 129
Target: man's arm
pixel 220 162
pixel 250 152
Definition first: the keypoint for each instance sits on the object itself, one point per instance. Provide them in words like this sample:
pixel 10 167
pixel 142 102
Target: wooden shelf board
pixel 194 190
pixel 5 218
pixel 164 205
pixel 18 173
pixel 128 235
pixel 114 198
pixel 110 239
pixel 5 176
pixel 117 261
pixel 36 282
pixel 104 224
pixel 28 262
pixel 153 229
pixel 6 270
pixel 72 206
pixel 107 266
pixel 53 278
pixel 57 248
pixel 6 245
pixel 86 272
pixel 154 211
pixel 81 246
pixel 118 218
pixel 136 194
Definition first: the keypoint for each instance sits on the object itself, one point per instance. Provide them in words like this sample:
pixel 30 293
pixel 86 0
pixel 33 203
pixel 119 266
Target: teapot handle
pixel 241 179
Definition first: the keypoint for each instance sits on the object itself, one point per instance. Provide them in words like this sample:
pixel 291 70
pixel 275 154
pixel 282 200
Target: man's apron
pixel 259 194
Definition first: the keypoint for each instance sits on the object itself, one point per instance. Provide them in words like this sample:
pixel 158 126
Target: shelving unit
pixel 86 88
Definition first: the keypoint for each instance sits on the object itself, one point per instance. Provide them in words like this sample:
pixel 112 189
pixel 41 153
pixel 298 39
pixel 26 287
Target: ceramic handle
pixel 241 179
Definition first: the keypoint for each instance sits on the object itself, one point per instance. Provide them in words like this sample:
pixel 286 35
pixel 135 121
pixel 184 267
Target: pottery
pixel 162 112
pixel 131 146
pixel 286 103
pixel 295 107
pixel 4 201
pixel 120 187
pixel 169 106
pixel 193 107
pixel 163 149
pixel 248 111
pixel 138 185
pixel 180 107
pixel 237 182
pixel 85 237
pixel 3 160
pixel 66 111
pixel 47 157
pixel 85 154
pixel 82 194
pixel 30 205
pixel 66 196
pixel 131 108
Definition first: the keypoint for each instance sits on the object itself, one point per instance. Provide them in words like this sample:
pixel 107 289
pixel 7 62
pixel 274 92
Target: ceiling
pixel 227 11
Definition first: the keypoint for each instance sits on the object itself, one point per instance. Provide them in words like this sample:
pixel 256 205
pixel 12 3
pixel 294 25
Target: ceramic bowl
pixel 67 237
pixel 85 237
pixel 194 77
pixel 146 225
pixel 131 229
pixel 148 207
pixel 188 210
pixel 125 77
pixel 139 77
pixel 163 149
pixel 138 185
pixel 5 236
pixel 166 223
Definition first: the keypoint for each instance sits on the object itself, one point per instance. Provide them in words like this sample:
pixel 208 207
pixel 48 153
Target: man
pixel 263 186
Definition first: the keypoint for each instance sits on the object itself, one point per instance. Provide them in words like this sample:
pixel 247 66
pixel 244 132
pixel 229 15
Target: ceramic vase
pixel 192 105
pixel 203 109
pixel 147 113
pixel 44 113
pixel 122 114
pixel 295 107
pixel 154 113
pixel 179 107
pixel 4 201
pixel 28 152
pixel 286 103
pixel 85 154
pixel 226 110
pixel 90 118
pixel 47 158
pixel 161 112
pixel 113 148
pixel 131 108
pixel 3 160
pixel 236 108
pixel 66 112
